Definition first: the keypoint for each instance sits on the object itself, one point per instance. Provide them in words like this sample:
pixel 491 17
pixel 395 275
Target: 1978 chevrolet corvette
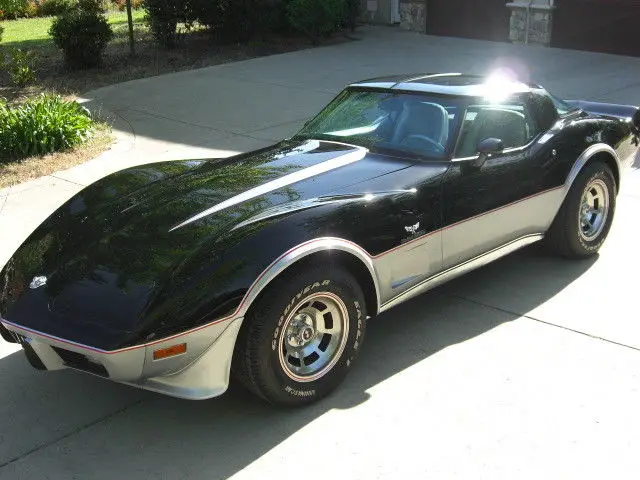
pixel 267 265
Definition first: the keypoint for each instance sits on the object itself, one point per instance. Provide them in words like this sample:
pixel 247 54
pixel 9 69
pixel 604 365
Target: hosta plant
pixel 45 124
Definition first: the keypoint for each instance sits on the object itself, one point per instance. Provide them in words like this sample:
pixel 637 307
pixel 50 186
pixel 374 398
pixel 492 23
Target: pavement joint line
pixel 4 202
pixel 504 310
pixel 190 124
pixel 69 434
pixel 53 175
pixel 276 84
pixel 277 125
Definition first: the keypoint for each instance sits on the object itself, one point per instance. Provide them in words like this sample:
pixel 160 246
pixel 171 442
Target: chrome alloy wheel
pixel 594 209
pixel 313 337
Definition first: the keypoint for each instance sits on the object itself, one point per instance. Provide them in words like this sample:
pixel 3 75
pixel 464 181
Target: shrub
pixel 93 6
pixel 122 4
pixel 31 9
pixel 42 125
pixel 241 20
pixel 352 11
pixel 82 36
pixel 12 8
pixel 19 64
pixel 162 18
pixel 1 32
pixel 49 8
pixel 315 18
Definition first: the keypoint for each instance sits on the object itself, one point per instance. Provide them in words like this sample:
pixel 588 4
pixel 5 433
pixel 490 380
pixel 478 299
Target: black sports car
pixel 267 265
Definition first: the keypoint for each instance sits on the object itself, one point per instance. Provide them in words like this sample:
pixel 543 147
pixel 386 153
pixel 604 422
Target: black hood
pixel 109 251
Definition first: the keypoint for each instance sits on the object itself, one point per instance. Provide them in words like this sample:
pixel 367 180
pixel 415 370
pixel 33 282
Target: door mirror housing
pixel 486 148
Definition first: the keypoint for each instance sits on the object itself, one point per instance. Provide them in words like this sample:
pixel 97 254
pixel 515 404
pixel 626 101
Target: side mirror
pixel 487 147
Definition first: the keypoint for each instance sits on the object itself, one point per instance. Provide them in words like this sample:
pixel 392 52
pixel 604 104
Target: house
pixel 596 25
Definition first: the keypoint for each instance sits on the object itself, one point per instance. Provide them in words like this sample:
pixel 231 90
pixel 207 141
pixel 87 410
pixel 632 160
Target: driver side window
pixel 511 122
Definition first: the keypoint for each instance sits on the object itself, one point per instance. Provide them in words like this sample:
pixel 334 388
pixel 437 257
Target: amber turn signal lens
pixel 171 351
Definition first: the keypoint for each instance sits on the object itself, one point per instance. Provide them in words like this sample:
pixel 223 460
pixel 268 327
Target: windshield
pixel 389 121
pixel 561 106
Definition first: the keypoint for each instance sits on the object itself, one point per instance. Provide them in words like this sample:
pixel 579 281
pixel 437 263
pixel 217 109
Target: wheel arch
pixel 347 254
pixel 598 152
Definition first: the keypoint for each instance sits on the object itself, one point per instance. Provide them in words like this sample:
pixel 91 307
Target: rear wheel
pixel 585 218
pixel 301 337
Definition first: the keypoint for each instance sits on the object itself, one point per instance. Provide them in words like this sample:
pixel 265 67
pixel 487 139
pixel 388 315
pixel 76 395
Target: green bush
pixel 49 8
pixel 242 20
pixel 12 8
pixel 315 18
pixel 1 32
pixel 162 18
pixel 351 14
pixel 82 36
pixel 42 125
pixel 19 64
pixel 95 6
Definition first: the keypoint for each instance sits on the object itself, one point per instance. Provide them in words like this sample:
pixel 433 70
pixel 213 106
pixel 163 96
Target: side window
pixel 510 121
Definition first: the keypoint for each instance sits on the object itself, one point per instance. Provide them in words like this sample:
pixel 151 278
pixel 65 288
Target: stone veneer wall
pixel 540 23
pixel 413 15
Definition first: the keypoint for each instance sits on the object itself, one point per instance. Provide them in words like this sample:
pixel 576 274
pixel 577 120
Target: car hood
pixel 108 251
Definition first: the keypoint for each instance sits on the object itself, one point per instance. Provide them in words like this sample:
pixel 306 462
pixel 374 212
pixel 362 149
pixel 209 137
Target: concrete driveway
pixel 528 368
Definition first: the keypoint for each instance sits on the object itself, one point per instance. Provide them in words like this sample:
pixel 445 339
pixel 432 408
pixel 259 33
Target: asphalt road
pixel 527 368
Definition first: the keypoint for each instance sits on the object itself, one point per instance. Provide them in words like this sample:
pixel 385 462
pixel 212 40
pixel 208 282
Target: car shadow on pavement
pixel 95 429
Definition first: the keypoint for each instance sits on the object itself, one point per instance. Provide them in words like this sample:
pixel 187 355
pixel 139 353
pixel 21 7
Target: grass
pixel 34 167
pixel 34 32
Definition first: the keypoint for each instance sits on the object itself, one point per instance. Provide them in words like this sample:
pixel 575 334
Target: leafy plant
pixel 42 125
pixel 351 13
pixel 162 18
pixel 49 8
pixel 315 18
pixel 1 32
pixel 31 9
pixel 19 64
pixel 94 6
pixel 82 36
pixel 122 4
pixel 12 8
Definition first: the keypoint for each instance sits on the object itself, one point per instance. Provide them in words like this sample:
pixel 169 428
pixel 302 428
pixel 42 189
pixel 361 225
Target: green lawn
pixel 32 32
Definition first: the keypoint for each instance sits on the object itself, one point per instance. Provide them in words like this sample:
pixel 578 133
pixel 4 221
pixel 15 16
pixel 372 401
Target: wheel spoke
pixel 321 321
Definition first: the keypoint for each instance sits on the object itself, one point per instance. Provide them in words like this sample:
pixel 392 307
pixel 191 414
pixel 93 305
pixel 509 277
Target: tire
pixel 275 330
pixel 578 233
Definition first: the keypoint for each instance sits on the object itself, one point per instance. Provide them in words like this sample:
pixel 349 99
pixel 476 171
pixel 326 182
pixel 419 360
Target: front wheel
pixel 302 336
pixel 585 218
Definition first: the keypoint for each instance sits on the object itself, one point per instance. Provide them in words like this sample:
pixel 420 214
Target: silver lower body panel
pixel 201 372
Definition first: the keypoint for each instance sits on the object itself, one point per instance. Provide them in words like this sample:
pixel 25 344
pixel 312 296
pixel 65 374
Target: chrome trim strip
pixel 281 182
pixel 301 251
pixel 582 160
pixel 449 274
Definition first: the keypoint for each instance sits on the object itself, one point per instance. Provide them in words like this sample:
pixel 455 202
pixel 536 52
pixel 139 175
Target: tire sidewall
pixel 595 172
pixel 280 387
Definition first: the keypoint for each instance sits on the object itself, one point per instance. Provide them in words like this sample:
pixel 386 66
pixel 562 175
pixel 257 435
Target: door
pixel 489 205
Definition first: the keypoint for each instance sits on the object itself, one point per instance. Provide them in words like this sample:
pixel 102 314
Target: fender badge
pixel 37 282
pixel 412 229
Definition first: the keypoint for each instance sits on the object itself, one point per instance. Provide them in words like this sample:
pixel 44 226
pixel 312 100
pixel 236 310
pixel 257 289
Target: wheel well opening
pixel 611 162
pixel 346 260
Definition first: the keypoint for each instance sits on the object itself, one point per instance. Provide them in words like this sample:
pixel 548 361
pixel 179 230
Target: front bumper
pixel 201 372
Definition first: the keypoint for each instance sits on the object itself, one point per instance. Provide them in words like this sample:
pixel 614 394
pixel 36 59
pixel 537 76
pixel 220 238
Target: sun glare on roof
pixel 499 85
